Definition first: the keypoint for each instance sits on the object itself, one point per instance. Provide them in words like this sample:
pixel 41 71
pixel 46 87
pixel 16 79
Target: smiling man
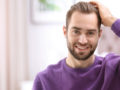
pixel 82 34
pixel 82 69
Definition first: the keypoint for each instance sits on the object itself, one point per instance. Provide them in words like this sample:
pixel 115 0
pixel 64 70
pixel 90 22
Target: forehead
pixel 82 20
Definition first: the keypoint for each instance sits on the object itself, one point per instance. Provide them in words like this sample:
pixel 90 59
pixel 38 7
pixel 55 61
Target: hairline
pixel 67 25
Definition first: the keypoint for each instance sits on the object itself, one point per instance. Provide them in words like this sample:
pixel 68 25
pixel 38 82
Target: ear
pixel 100 33
pixel 64 31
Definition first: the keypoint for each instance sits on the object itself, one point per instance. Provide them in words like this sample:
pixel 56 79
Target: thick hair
pixel 83 7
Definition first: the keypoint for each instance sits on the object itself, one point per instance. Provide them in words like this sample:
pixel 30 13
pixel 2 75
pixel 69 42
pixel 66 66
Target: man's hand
pixel 107 18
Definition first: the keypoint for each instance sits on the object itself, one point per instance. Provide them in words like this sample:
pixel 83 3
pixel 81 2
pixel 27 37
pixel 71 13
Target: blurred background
pixel 31 38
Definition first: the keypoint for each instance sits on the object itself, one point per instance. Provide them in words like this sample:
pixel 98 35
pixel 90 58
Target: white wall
pixel 46 46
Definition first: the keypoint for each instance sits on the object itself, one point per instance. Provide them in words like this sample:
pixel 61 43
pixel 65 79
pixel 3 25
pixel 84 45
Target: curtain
pixel 13 44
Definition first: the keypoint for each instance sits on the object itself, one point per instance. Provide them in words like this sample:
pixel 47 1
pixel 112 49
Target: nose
pixel 83 39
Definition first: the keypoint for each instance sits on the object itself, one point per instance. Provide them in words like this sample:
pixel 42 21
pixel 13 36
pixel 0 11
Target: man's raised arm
pixel 107 18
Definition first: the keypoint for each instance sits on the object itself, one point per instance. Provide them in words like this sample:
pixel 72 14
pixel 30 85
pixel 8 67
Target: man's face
pixel 82 35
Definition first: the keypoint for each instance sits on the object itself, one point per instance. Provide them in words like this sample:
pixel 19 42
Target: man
pixel 82 70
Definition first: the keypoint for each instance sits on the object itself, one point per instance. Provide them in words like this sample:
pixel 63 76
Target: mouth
pixel 82 48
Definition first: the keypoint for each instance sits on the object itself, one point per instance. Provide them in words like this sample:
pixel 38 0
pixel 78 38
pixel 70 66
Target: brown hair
pixel 83 7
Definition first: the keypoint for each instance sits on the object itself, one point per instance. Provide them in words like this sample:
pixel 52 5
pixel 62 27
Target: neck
pixel 74 63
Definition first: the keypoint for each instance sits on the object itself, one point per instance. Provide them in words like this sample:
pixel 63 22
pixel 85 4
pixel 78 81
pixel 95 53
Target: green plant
pixel 49 6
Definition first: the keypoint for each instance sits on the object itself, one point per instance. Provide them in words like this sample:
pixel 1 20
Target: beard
pixel 81 55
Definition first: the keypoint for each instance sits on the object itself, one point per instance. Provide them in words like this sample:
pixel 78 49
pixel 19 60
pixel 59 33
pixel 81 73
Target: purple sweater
pixel 104 74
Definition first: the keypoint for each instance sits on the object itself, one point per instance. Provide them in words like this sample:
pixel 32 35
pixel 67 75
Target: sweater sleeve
pixel 116 27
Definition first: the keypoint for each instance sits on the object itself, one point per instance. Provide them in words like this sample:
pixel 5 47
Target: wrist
pixel 112 20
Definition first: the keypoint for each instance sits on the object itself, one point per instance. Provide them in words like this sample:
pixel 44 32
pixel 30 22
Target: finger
pixel 94 4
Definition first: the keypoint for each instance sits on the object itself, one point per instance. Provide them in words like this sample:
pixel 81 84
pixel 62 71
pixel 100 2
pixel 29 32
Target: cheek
pixel 71 42
pixel 93 40
pixel 71 39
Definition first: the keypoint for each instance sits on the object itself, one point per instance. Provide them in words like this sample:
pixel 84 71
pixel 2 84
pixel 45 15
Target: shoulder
pixel 112 60
pixel 51 70
pixel 112 57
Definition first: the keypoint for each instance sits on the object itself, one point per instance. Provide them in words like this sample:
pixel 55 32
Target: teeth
pixel 82 47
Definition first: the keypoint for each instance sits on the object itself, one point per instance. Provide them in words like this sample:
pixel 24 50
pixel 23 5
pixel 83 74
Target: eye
pixel 76 32
pixel 90 33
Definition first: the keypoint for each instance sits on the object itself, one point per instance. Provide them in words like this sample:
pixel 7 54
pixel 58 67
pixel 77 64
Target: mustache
pixel 86 45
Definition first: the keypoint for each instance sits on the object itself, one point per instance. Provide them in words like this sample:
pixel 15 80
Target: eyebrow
pixel 78 28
